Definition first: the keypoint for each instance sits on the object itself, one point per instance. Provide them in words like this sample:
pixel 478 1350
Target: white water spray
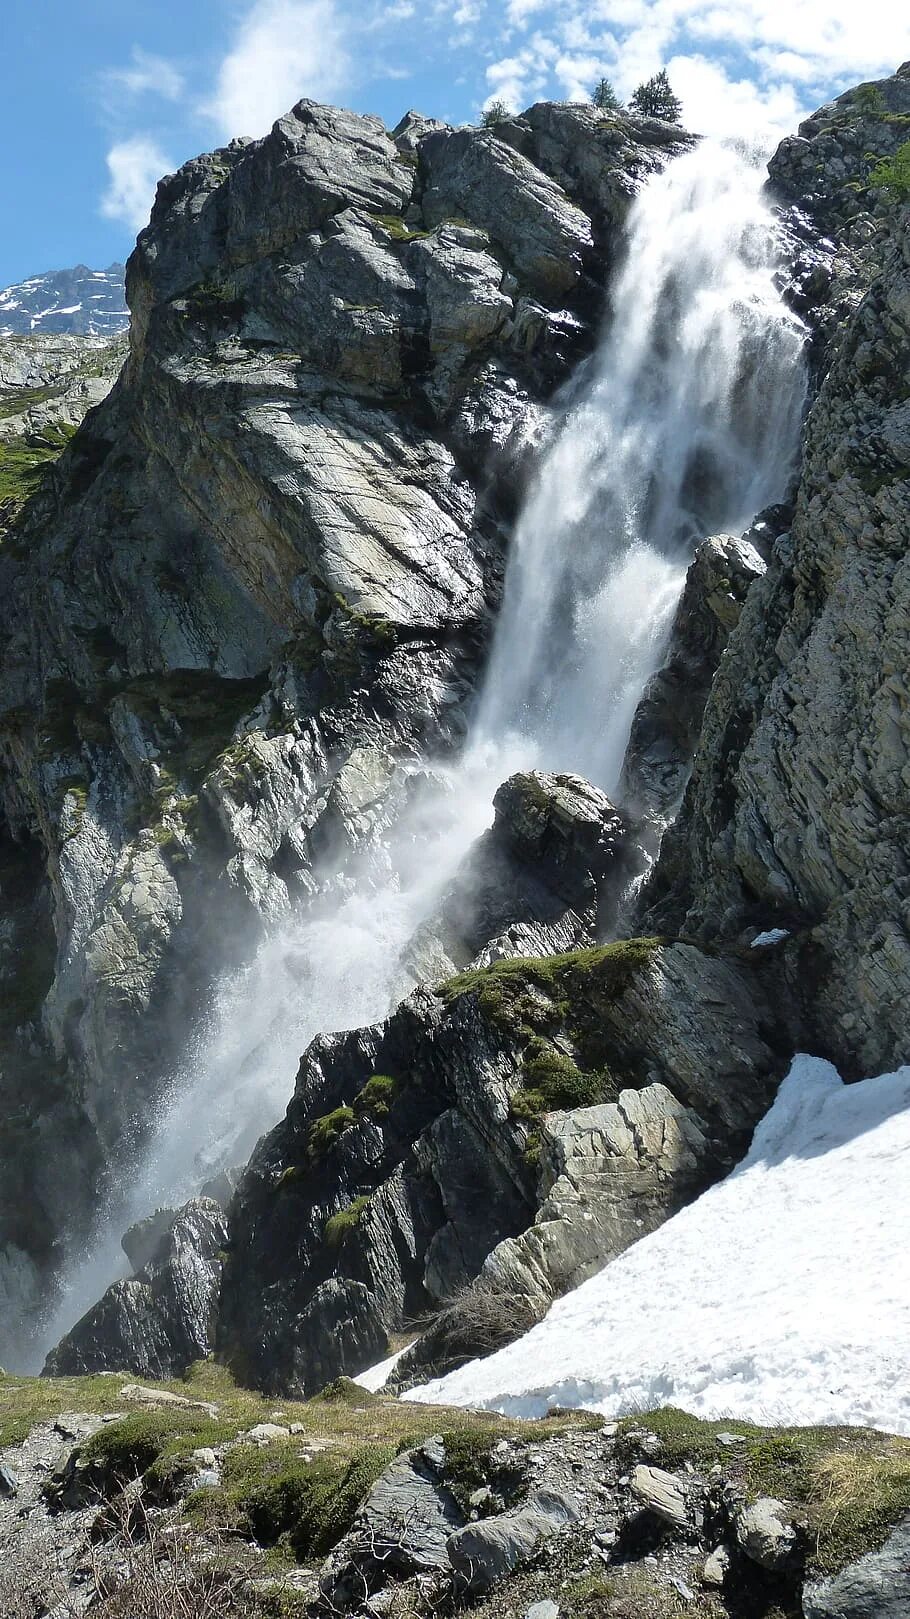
pixel 685 422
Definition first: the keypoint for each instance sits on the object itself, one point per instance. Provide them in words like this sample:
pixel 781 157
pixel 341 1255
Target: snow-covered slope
pixel 781 1295
pixel 85 302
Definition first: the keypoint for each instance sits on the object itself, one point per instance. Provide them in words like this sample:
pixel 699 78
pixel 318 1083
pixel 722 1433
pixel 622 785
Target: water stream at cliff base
pixel 683 423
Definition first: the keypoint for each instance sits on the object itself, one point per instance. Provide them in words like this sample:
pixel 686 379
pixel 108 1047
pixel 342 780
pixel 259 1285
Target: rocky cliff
pixel 251 602
pixel 243 619
pixel 261 577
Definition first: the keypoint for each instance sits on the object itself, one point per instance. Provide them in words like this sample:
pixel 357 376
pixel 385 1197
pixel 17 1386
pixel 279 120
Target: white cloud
pixel 716 104
pixel 134 168
pixel 284 50
pixel 763 63
pixel 148 74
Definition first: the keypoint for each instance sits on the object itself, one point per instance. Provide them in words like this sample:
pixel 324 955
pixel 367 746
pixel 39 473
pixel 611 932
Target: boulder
pixel 544 878
pixel 162 1318
pixel 403 1528
pixel 482 1554
pixel 766 1533
pixel 664 1495
pixel 877 1586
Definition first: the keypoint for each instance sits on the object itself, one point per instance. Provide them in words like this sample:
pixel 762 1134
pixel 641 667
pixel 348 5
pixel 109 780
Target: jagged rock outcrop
pixel 544 878
pixel 412 1150
pixel 667 721
pixel 834 216
pixel 797 812
pixel 161 1319
pixel 260 579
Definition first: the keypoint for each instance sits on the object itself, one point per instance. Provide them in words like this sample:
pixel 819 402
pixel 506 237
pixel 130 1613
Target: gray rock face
pixel 162 1318
pixel 544 878
pixel 608 1176
pixel 875 1587
pixel 404 1160
pixel 525 213
pixel 258 584
pixel 796 814
pixel 834 221
pixel 668 719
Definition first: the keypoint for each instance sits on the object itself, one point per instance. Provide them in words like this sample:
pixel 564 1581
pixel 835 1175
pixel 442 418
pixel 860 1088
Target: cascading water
pixel 685 426
pixel 683 423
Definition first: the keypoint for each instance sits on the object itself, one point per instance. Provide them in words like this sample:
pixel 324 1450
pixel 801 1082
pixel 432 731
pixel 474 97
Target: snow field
pixel 782 1295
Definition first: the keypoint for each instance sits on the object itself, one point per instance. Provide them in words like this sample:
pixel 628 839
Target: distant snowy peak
pixel 84 302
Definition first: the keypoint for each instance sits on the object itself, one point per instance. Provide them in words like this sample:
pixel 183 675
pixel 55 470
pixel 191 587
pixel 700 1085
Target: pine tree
pixel 605 98
pixel 655 99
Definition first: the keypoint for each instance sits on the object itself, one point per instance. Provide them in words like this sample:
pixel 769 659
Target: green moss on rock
pixel 375 1099
pixel 339 1227
pixel 325 1131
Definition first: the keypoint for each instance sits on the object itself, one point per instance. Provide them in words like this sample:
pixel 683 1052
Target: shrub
pixel 868 100
pixel 480 1319
pixel 655 99
pixel 894 172
pixel 496 113
pixel 605 98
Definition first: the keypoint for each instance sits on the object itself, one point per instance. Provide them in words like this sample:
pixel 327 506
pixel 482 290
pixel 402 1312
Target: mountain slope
pixel 80 301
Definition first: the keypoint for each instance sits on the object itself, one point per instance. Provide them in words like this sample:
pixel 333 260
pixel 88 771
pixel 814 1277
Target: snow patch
pixel 772 936
pixel 375 1377
pixel 782 1295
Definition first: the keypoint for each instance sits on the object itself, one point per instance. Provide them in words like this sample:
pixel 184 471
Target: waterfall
pixel 683 423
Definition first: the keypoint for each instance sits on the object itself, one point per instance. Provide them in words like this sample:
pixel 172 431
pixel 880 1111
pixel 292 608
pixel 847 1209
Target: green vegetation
pixel 894 172
pixel 868 100
pixel 605 98
pixel 634 1593
pixel 296 1496
pixel 326 1130
pixel 496 113
pixel 396 227
pixel 376 1098
pixel 22 463
pixel 555 1008
pixel 374 1101
pixel 339 1227
pixel 282 1498
pixel 470 1465
pixel 655 99
pixel 854 1483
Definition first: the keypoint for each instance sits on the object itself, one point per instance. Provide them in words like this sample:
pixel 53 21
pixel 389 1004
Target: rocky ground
pixel 119 1498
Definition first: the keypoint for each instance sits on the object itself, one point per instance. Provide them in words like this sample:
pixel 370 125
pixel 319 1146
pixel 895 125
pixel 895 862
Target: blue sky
pixel 99 97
